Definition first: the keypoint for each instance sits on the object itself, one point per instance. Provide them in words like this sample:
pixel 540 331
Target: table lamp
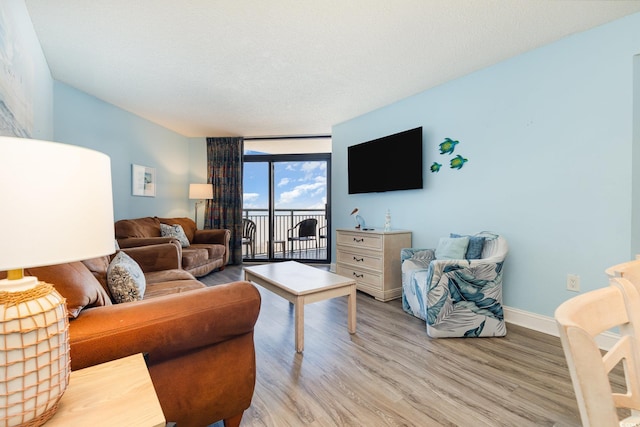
pixel 56 207
pixel 201 192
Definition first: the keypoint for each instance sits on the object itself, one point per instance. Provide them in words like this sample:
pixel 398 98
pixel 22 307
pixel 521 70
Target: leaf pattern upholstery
pixel 456 298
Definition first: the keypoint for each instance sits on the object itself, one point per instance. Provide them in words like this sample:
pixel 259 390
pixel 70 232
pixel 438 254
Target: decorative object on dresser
pixel 457 287
pixel 359 220
pixel 54 195
pixel 372 259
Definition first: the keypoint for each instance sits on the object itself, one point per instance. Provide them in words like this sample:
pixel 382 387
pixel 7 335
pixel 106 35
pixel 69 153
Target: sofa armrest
pixel 218 236
pixel 166 256
pixel 164 327
pixel 131 242
pixel 215 236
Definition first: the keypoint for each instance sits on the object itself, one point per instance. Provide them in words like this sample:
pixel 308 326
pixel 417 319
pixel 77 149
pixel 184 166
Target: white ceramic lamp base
pixel 34 352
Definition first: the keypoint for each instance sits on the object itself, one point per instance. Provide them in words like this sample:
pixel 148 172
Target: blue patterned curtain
pixel 224 167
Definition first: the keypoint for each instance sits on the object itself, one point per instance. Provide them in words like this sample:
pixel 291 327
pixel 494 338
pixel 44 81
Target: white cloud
pixel 248 200
pixel 289 197
pixel 283 182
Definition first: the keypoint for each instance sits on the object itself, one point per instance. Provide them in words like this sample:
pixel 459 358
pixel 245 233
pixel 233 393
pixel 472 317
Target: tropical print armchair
pixel 457 292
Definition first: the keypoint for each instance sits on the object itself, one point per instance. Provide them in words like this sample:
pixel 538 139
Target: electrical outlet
pixel 573 282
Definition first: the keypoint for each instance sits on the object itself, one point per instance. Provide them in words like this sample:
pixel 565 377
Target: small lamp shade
pixel 56 207
pixel 200 191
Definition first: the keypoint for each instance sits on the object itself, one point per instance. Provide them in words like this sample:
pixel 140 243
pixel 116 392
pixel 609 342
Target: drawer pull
pixel 355 239
pixel 358 259
pixel 359 276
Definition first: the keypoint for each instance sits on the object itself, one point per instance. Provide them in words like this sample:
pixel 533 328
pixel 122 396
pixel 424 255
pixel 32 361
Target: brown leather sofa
pixel 207 249
pixel 198 339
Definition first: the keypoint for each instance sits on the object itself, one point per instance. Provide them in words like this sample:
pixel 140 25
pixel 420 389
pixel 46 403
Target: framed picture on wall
pixel 143 181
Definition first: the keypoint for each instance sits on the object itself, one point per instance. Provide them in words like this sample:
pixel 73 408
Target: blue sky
pixel 298 185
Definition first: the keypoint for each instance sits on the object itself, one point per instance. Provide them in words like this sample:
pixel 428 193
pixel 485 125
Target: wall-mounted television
pixel 389 163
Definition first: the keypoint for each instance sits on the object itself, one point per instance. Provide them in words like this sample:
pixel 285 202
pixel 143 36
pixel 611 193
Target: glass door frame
pixel 271 159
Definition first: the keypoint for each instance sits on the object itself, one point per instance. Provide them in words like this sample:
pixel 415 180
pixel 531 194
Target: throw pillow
pixel 452 248
pixel 476 244
pixel 125 279
pixel 75 283
pixel 176 231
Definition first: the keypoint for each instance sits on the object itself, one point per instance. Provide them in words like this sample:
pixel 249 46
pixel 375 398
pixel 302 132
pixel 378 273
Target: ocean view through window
pixel 281 189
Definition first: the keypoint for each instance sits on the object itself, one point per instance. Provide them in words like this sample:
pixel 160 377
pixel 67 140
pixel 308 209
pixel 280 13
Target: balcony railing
pixel 285 219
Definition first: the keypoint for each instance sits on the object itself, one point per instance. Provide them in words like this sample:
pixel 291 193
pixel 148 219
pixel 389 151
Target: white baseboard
pixel 548 325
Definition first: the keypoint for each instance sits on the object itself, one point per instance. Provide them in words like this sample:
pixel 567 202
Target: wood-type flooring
pixel 390 373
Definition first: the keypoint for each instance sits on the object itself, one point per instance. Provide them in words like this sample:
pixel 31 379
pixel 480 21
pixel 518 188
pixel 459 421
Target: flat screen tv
pixel 389 163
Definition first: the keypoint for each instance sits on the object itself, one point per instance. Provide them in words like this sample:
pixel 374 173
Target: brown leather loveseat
pixel 202 252
pixel 198 339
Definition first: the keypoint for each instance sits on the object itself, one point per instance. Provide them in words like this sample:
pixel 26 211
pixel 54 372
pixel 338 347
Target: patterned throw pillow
pixel 176 231
pixel 125 279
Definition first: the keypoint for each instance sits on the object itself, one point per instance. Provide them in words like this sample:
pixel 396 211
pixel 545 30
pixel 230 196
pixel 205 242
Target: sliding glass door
pixel 287 197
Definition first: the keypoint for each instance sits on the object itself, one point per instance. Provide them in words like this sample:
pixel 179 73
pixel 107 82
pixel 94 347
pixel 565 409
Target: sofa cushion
pixel 193 257
pixel 140 227
pixel 98 267
pixel 213 251
pixel 476 244
pixel 125 279
pixel 75 283
pixel 171 275
pixel 176 231
pixel 452 248
pixel 172 287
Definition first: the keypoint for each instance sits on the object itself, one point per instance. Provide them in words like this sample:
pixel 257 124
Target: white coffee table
pixel 301 284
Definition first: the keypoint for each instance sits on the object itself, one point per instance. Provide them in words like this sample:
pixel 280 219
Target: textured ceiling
pixel 288 67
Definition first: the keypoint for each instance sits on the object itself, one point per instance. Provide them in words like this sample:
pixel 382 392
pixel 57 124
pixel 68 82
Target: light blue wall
pixel 635 212
pixel 21 38
pixel 548 135
pixel 64 114
pixel 84 120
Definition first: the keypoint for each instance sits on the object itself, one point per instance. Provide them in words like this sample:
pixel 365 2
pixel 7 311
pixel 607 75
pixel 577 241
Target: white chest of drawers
pixel 372 258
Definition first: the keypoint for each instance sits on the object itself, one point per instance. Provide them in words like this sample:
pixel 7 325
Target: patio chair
pixel 249 236
pixel 304 231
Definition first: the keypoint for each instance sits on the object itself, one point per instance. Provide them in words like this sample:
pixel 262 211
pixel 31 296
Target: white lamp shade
pixel 56 203
pixel 200 191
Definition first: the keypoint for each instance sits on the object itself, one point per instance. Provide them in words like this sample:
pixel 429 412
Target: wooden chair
pixel 249 236
pixel 580 320
pixel 630 270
